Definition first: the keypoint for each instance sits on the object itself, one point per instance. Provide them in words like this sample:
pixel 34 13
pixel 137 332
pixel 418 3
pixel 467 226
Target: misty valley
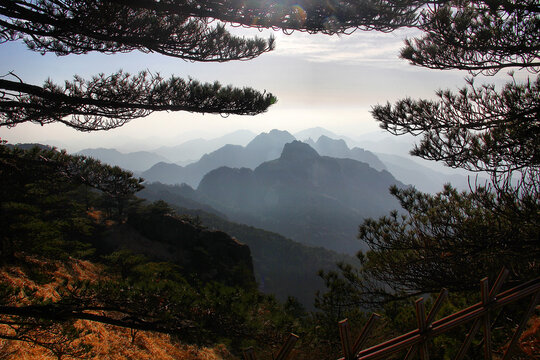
pixel 296 204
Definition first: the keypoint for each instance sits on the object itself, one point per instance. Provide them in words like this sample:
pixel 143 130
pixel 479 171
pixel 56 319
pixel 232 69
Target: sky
pixel 319 80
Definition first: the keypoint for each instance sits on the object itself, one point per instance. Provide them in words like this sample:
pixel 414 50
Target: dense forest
pixel 91 271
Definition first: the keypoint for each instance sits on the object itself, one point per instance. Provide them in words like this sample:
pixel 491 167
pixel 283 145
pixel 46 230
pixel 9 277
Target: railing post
pixel 286 349
pixel 345 336
pixel 421 321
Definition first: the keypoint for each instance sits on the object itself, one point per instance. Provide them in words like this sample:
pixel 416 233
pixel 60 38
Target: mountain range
pixel 244 149
pixel 192 150
pixel 264 147
pixel 316 200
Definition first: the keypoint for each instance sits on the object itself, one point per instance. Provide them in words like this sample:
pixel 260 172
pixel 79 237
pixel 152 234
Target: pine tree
pixel 451 239
pixel 186 30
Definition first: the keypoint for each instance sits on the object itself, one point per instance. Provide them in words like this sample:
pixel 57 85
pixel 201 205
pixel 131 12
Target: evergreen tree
pixel 182 29
pixel 452 239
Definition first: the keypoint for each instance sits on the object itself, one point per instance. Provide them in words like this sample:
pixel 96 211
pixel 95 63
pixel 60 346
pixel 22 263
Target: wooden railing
pixel 417 340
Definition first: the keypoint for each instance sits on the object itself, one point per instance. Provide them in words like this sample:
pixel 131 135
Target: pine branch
pixel 79 27
pixel 109 101
pixel 479 128
pixel 479 36
pixel 328 17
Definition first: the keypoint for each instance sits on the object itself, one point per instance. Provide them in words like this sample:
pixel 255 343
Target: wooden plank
pixel 486 321
pixel 443 295
pixel 474 312
pixel 410 354
pixel 503 275
pixel 362 338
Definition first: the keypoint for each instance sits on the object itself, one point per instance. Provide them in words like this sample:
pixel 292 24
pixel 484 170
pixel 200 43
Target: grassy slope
pixel 107 341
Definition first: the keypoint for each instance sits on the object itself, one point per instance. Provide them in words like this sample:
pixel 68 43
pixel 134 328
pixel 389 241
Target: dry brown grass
pixel 106 341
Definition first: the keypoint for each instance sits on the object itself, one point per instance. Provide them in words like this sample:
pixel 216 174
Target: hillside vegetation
pixel 282 267
pixel 94 340
pixel 76 248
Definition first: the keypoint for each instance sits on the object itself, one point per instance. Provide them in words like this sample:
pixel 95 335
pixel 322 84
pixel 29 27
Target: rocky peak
pixel 298 151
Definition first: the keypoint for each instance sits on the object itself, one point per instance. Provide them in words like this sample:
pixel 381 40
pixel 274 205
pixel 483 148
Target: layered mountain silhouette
pixel 316 200
pixel 192 150
pixel 264 147
pixel 135 161
pixel 268 146
pixel 316 132
pixel 402 168
pixel 338 148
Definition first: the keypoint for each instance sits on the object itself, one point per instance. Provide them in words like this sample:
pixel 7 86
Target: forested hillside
pixel 154 270
pixel 282 267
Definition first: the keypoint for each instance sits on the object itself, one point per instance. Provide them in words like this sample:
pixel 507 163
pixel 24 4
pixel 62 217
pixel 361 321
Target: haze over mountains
pixel 316 200
pixel 192 150
pixel 135 161
pixel 244 149
pixel 309 197
pixel 282 267
pixel 264 147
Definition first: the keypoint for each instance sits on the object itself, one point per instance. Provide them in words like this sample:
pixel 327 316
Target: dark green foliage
pixel 453 239
pixel 445 240
pixel 109 101
pixel 203 255
pixel 202 291
pixel 479 36
pixel 450 238
pixel 187 31
pixel 79 27
pixel 45 199
pixel 479 128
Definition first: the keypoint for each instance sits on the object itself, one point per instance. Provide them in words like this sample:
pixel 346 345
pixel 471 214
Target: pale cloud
pixel 358 48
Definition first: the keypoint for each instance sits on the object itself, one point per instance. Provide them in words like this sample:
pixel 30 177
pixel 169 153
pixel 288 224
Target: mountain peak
pixel 298 151
pixel 272 137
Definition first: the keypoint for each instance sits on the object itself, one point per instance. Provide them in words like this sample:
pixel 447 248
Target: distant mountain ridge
pixel 192 150
pixel 134 161
pixel 402 168
pixel 313 199
pixel 264 147
pixel 316 132
pixel 268 146
pixel 338 148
